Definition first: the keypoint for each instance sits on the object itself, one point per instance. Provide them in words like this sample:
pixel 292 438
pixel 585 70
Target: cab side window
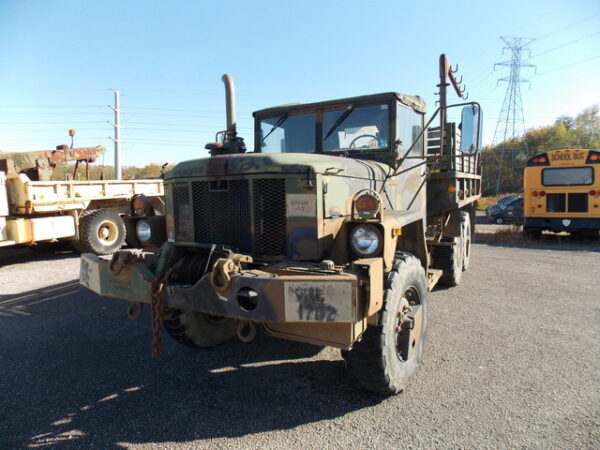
pixel 410 124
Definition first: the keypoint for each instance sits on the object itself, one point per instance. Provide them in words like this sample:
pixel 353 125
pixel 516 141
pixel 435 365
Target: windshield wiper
pixel 340 120
pixel 275 126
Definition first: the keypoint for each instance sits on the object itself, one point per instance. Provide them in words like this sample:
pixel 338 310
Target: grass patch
pixel 512 234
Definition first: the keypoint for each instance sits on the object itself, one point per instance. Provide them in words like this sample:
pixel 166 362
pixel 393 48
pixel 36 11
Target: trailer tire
pixel 199 330
pixel 388 355
pixel 101 232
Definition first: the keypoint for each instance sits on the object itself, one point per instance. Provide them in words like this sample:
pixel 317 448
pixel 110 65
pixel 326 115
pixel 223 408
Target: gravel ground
pixel 512 361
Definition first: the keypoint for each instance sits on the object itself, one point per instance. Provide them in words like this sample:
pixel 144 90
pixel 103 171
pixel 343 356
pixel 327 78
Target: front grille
pixel 248 215
pixel 182 211
pixel 269 216
pixel 222 213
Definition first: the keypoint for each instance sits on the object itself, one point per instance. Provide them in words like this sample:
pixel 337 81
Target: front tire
pixel 389 353
pixel 199 330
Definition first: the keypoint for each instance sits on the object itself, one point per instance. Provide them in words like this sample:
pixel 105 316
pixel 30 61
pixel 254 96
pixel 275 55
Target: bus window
pixel 568 176
pixel 556 203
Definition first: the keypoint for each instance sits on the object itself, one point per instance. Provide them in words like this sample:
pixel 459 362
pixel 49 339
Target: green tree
pixel 583 131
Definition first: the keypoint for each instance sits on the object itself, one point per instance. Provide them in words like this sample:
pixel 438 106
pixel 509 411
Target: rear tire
pixel 465 223
pixel 101 232
pixel 388 355
pixel 448 258
pixel 199 330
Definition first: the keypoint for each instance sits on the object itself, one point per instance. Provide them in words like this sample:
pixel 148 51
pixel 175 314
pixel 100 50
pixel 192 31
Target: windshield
pixel 288 134
pixel 506 200
pixel 347 128
pixel 363 127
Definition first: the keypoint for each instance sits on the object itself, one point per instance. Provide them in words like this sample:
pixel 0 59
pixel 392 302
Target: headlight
pixel 365 240
pixel 143 231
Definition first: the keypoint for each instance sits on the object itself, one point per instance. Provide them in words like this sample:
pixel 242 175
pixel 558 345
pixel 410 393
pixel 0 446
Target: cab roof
pixel 412 101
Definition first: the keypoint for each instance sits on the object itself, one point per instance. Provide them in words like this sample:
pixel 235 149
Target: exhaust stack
pixel 230 105
pixel 227 142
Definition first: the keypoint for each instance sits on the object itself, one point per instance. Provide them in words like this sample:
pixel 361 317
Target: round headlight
pixel 365 240
pixel 143 231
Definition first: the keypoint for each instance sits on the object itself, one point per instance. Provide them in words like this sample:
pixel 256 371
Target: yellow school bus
pixel 562 193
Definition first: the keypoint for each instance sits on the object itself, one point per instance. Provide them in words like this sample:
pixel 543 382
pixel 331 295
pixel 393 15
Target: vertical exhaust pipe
pixel 227 142
pixel 230 105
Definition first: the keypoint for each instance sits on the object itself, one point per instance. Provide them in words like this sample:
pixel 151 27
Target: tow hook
pixel 220 276
pixel 120 259
pixel 246 331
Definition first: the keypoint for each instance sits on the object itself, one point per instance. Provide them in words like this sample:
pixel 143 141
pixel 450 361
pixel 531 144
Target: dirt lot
pixel 512 361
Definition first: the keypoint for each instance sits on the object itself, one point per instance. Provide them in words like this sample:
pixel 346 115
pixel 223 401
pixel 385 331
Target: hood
pixel 271 163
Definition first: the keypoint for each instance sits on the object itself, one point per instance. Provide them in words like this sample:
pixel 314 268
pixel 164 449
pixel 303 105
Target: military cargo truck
pixel 331 232
pixel 49 215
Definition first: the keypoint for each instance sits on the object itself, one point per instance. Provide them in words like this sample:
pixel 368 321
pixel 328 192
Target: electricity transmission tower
pixel 511 122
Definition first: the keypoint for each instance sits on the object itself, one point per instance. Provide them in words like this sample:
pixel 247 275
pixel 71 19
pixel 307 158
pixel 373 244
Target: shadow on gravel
pixel 77 374
pixel 21 304
pixel 21 255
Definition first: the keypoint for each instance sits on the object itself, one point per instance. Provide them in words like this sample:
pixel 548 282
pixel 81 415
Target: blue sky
pixel 61 58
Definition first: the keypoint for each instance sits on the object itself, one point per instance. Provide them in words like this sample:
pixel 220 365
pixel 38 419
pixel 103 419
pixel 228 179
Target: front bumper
pixel 303 293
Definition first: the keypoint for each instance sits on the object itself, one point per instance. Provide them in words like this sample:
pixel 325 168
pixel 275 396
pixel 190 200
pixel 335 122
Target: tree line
pixel 507 159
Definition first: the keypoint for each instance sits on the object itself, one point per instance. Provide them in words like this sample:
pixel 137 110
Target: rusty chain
pixel 156 309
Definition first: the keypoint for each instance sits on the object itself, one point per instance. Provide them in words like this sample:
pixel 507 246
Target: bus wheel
pixel 389 353
pixel 532 234
pixel 586 234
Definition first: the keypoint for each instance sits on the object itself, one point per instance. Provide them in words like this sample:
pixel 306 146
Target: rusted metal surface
pixel 38 165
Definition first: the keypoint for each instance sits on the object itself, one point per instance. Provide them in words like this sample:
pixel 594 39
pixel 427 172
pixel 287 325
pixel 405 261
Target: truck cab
pixel 321 234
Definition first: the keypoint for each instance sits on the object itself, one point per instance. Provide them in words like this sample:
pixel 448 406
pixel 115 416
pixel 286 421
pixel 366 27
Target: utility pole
pixel 117 138
pixel 511 122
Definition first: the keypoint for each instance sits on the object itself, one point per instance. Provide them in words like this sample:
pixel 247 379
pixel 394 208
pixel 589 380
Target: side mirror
pixel 471 118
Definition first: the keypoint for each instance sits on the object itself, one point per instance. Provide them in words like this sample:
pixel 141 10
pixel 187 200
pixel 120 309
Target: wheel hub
pixel 408 328
pixel 108 233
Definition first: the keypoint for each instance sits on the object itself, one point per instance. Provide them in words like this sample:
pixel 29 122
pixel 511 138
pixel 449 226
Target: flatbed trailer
pixel 87 214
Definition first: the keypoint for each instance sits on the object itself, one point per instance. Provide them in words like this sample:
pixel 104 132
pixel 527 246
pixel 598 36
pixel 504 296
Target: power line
pixel 568 65
pixel 568 43
pixel 552 33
